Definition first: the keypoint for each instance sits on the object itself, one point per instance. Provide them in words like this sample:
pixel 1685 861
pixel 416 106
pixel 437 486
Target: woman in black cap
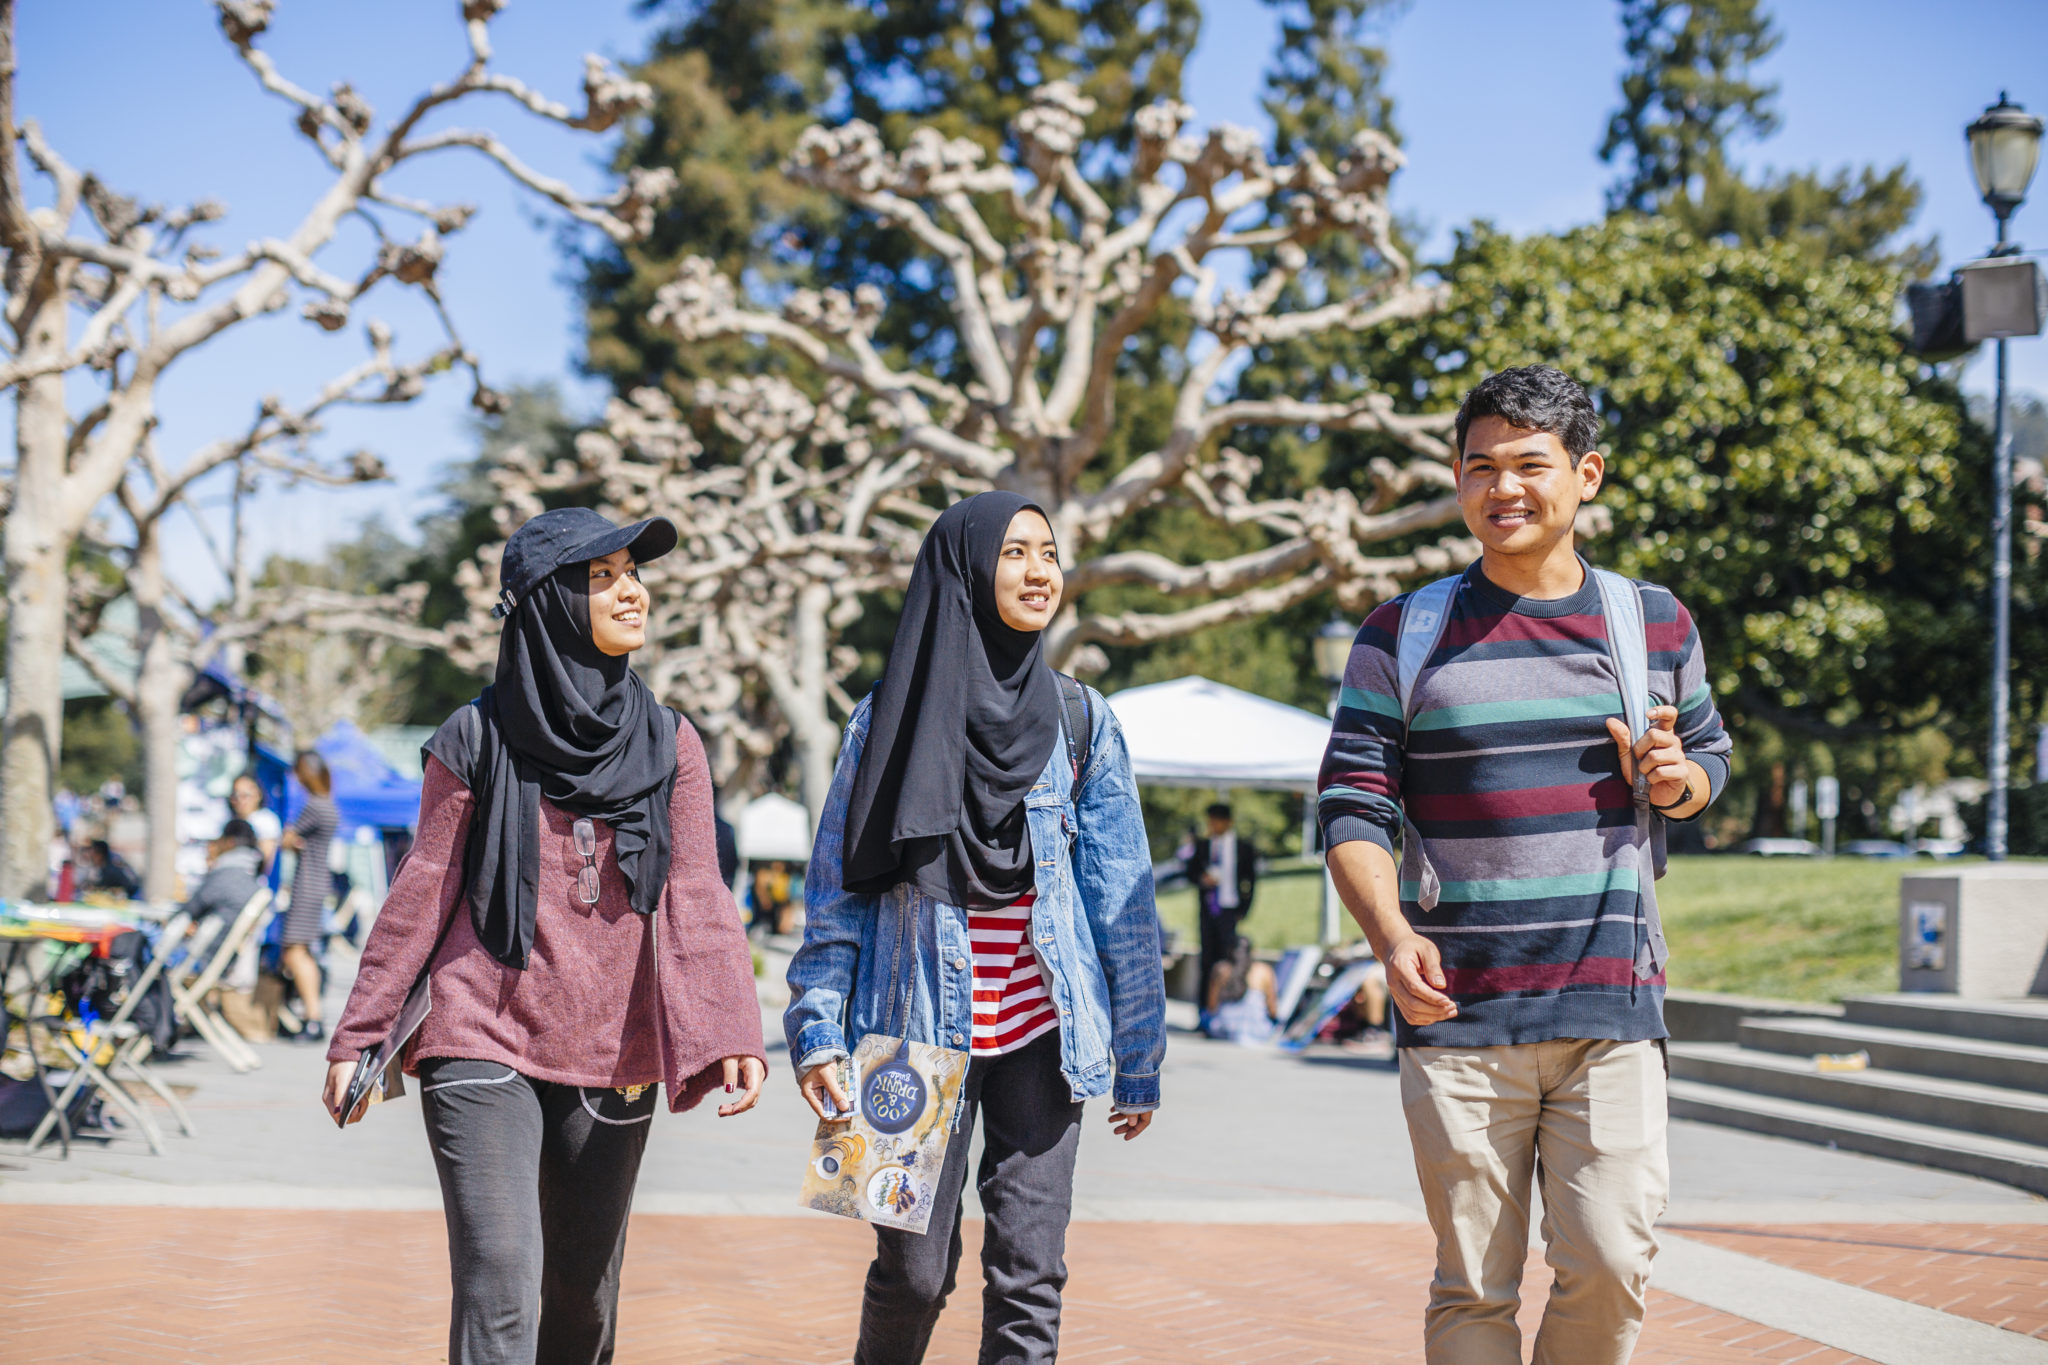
pixel 981 882
pixel 563 895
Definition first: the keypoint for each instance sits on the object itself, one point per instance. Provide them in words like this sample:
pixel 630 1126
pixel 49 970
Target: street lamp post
pixel 1332 649
pixel 2004 144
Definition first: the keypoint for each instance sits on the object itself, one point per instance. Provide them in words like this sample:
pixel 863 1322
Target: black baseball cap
pixel 568 535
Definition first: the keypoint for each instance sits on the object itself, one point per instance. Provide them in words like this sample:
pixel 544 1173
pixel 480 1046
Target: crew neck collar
pixel 1576 603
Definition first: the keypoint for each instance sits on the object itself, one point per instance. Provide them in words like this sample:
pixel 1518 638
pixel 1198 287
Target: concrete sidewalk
pixel 1274 1201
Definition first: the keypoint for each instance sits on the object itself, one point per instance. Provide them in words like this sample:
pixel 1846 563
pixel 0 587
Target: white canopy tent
pixel 1192 732
pixel 774 828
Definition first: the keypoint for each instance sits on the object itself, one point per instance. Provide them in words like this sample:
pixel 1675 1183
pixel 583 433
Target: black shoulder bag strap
pixel 1079 713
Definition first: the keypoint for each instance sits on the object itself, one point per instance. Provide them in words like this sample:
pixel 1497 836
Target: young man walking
pixel 1520 935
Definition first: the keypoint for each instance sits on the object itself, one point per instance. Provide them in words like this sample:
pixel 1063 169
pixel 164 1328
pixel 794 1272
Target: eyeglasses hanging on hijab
pixel 961 727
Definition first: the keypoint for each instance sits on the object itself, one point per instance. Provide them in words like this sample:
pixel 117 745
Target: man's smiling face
pixel 1519 489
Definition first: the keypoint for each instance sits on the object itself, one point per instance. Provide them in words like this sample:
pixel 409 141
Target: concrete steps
pixel 2013 1066
pixel 1957 1084
pixel 2022 1164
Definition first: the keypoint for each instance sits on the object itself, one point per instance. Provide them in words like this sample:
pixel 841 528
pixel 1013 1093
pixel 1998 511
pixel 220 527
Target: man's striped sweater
pixel 1509 775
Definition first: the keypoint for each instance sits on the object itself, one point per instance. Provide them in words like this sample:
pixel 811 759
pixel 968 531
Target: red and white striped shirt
pixel 1011 1006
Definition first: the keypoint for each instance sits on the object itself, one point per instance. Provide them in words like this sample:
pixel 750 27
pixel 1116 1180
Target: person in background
pixel 728 847
pixel 310 837
pixel 1224 872
pixel 102 869
pixel 245 800
pixel 234 874
pixel 1242 998
pixel 772 906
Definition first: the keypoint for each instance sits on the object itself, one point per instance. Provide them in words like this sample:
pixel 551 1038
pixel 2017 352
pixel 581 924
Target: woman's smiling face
pixel 618 604
pixel 1028 578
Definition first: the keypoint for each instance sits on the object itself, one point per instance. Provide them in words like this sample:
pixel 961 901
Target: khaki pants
pixel 1588 1119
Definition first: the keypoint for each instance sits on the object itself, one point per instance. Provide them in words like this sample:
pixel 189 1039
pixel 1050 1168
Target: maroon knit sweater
pixel 586 1011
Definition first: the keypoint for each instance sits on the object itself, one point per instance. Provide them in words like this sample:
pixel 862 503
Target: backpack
pixel 1078 713
pixel 1423 618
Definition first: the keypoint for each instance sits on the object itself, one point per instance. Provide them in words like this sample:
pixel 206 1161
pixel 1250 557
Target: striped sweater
pixel 1510 777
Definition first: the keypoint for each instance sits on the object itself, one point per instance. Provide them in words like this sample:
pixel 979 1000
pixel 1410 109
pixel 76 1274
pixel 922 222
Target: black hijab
pixel 569 722
pixel 962 725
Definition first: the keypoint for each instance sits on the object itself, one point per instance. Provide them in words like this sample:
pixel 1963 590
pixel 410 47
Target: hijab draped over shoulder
pixel 569 722
pixel 962 724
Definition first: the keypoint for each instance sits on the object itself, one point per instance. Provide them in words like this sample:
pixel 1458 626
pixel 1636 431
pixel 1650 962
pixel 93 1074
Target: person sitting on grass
pixel 1243 998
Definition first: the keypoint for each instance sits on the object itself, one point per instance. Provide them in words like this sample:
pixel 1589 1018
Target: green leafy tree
pixel 1812 494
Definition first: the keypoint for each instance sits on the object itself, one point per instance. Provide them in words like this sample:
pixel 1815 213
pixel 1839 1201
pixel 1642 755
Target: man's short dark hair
pixel 1534 398
pixel 1218 810
pixel 240 833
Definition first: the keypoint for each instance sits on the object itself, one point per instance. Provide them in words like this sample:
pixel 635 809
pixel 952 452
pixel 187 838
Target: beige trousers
pixel 1588 1119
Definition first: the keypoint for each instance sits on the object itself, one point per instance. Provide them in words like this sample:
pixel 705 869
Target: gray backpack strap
pixel 1621 603
pixel 1423 618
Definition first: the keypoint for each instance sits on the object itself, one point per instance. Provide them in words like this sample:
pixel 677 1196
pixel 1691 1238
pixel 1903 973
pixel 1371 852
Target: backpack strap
pixel 1078 713
pixel 1423 618
pixel 1621 603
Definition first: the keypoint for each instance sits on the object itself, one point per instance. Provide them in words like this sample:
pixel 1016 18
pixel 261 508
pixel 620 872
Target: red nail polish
pixel 728 1090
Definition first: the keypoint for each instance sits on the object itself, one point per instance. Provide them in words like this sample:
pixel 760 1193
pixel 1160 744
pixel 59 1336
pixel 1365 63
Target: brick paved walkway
pixel 223 1286
pixel 1995 1274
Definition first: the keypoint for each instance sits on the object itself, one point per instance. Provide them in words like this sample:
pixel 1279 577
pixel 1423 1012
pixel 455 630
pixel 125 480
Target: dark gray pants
pixel 536 1182
pixel 1031 1129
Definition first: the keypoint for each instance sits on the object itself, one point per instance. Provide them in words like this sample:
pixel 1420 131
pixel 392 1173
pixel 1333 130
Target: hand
pixel 1128 1126
pixel 747 1073
pixel 292 841
pixel 339 1074
pixel 1658 753
pixel 820 1082
pixel 1415 977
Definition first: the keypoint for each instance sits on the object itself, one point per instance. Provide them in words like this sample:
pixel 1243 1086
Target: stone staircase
pixel 1957 1084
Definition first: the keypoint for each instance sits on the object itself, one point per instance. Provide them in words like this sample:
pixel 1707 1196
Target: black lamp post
pixel 2005 142
pixel 1332 652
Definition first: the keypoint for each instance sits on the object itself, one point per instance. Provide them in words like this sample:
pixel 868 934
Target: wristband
pixel 1683 797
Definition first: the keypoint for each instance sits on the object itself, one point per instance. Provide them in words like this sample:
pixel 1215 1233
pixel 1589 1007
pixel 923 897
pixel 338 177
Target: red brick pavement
pixel 223 1286
pixel 1995 1274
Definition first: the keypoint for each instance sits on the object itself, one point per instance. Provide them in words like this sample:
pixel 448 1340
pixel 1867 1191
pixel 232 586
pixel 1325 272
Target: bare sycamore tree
pixel 175 637
pixel 1047 282
pixel 786 524
pixel 111 302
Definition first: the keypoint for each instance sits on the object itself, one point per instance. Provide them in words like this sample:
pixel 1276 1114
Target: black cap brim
pixel 648 540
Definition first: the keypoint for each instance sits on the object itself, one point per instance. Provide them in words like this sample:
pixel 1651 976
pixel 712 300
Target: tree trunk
pixel 159 685
pixel 38 543
pixel 810 723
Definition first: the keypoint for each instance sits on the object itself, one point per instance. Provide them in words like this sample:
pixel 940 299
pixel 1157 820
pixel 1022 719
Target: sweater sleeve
pixel 1359 787
pixel 1675 648
pixel 422 896
pixel 707 965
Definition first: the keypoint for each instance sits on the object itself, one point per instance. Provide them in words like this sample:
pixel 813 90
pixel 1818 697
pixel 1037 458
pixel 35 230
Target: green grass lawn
pixel 1794 928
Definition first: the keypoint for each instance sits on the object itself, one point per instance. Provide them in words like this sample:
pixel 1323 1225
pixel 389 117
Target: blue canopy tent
pixel 367 789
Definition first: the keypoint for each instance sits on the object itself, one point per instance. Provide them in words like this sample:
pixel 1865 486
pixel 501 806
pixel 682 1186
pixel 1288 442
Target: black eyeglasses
pixel 586 844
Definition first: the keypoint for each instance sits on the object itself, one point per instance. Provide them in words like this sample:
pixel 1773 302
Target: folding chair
pixel 119 1031
pixel 188 995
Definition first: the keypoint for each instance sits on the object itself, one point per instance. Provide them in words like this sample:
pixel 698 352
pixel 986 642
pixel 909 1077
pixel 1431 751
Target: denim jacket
pixel 899 963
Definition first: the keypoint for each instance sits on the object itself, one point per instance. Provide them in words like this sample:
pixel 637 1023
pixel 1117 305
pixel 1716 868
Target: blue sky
pixel 1501 103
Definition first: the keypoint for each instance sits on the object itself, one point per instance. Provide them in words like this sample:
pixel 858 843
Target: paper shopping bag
pixel 882 1164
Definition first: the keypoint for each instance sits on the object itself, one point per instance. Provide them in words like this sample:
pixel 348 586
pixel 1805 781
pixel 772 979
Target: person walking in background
pixel 957 826
pixel 245 802
pixel 310 838
pixel 1520 935
pixel 1224 871
pixel 564 901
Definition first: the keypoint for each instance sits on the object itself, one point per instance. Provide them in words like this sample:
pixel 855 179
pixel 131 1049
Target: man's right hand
pixel 1415 977
pixel 820 1083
